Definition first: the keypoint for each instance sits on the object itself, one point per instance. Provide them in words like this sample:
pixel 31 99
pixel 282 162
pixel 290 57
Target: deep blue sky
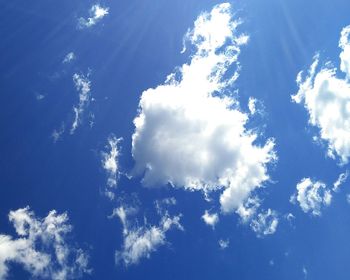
pixel 130 50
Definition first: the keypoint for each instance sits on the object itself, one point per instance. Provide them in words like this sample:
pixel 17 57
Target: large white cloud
pixel 190 131
pixel 41 247
pixel 140 241
pixel 327 100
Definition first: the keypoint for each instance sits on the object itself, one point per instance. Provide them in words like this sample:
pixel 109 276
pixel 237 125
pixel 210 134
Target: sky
pixel 174 139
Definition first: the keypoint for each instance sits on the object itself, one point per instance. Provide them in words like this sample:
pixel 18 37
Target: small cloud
pixel 265 223
pixel 313 195
pixel 271 262
pixel 57 133
pixel 96 13
pixel 305 272
pixel 210 219
pixel 252 105
pixel 341 180
pixel 39 96
pixel 69 57
pixel 224 243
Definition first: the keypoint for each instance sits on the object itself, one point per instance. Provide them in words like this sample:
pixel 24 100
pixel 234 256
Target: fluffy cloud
pixel 312 195
pixel 327 100
pixel 96 12
pixel 83 86
pixel 265 223
pixel 141 241
pixel 41 247
pixel 110 164
pixel 190 131
pixel 210 219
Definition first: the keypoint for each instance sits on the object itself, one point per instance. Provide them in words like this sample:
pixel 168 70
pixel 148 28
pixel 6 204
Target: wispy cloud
pixel 96 13
pixel 265 223
pixel 110 164
pixel 140 241
pixel 83 86
pixel 41 247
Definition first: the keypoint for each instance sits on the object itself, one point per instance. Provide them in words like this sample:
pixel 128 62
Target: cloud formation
pixel 190 131
pixel 326 97
pixel 96 13
pixel 110 164
pixel 312 196
pixel 210 219
pixel 41 247
pixel 140 241
pixel 69 57
pixel 83 86
pixel 265 223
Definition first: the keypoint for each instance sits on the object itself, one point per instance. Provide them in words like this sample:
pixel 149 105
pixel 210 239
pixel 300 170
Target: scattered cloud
pixel 224 243
pixel 83 86
pixel 312 196
pixel 140 241
pixel 190 131
pixel 110 164
pixel 96 13
pixel 41 247
pixel 327 100
pixel 210 219
pixel 69 57
pixel 265 223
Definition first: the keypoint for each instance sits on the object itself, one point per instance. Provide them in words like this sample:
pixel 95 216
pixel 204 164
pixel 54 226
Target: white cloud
pixel 224 243
pixel 41 247
pixel 83 86
pixel 190 133
pixel 57 133
pixel 69 57
pixel 265 223
pixel 96 12
pixel 210 219
pixel 327 100
pixel 110 163
pixel 348 198
pixel 312 196
pixel 341 180
pixel 141 241
pixel 252 105
pixel 248 210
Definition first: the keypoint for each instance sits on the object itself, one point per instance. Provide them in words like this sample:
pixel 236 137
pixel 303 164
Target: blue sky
pixel 174 139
